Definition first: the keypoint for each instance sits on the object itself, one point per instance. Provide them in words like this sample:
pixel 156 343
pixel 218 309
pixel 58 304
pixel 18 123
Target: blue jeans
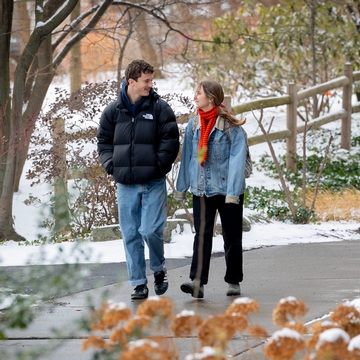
pixel 142 218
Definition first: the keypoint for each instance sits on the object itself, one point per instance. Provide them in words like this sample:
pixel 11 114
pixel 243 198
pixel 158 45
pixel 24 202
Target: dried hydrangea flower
pixel 93 341
pixel 316 329
pixel 239 321
pixel 345 314
pixel 217 330
pixel 297 326
pixel 354 348
pixel 119 336
pixel 185 323
pixel 243 306
pixel 145 349
pixel 207 353
pixel 109 315
pixel 333 343
pixel 156 306
pixel 137 324
pixel 257 331
pixel 289 306
pixel 284 344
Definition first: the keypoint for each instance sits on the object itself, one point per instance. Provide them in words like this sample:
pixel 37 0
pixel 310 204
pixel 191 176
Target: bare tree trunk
pixel 123 46
pixel 28 119
pixel 6 9
pixel 17 127
pixel 21 24
pixel 20 32
pixel 75 59
pixel 25 120
pixel 313 50
pixel 146 47
pixel 7 166
pixel 7 231
pixel 42 80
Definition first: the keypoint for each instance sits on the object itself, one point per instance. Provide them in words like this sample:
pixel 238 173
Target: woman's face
pixel 202 101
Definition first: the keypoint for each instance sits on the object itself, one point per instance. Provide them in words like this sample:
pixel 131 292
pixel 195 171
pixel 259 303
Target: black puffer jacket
pixel 138 149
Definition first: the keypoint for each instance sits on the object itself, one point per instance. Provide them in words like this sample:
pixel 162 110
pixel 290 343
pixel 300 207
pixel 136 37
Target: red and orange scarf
pixel 207 122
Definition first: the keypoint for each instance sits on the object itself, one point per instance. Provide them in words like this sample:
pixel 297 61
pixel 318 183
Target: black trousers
pixel 204 211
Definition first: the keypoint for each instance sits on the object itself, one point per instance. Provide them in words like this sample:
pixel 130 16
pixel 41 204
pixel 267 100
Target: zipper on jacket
pixel 132 149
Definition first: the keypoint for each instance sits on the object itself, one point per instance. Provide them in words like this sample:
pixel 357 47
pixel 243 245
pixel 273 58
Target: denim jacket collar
pixel 219 124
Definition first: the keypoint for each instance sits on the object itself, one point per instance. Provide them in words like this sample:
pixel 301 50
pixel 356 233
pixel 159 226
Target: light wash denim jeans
pixel 142 218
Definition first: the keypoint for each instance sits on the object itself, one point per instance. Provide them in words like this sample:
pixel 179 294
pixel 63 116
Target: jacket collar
pixel 219 123
pixel 123 100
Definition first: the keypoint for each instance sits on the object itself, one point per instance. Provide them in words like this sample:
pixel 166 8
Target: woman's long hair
pixel 214 91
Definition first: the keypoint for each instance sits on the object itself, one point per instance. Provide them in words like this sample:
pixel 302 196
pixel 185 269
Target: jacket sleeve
pixel 168 140
pixel 105 138
pixel 236 175
pixel 183 179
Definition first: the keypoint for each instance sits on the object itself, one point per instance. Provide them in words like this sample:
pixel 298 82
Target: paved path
pixel 321 274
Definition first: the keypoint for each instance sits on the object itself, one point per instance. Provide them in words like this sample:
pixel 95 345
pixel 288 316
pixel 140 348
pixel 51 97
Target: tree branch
pixel 42 30
pixel 73 26
pixel 82 33
pixel 155 11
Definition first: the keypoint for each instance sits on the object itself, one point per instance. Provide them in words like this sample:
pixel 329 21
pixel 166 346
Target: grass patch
pixel 337 206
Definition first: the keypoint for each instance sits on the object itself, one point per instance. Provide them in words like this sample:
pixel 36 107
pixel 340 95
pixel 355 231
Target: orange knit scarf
pixel 207 121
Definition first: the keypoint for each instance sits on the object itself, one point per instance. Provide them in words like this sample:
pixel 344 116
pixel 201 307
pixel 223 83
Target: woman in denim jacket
pixel 212 168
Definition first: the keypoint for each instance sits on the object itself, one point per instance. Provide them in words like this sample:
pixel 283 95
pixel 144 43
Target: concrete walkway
pixel 321 274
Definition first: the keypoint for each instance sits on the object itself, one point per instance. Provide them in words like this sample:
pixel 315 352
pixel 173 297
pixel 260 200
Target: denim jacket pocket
pixel 221 149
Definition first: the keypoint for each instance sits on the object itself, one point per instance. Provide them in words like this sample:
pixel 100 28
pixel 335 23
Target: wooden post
pixel 227 102
pixel 346 104
pixel 291 115
pixel 61 207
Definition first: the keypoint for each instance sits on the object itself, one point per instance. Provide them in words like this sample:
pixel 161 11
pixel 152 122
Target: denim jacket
pixel 223 171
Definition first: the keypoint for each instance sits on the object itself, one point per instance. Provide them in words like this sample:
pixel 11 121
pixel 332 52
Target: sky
pixel 273 233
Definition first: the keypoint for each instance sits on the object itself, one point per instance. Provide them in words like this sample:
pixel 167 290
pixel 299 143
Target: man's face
pixel 142 86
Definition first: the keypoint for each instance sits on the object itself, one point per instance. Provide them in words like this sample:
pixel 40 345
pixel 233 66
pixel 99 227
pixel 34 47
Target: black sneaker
pixel 140 292
pixel 161 283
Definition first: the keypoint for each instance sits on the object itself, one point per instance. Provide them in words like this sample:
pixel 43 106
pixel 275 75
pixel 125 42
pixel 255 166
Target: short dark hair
pixel 136 68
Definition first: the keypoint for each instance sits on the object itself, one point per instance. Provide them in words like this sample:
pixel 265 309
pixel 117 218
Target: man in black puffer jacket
pixel 138 141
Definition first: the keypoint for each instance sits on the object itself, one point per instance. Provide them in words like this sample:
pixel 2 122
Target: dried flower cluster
pixel 156 306
pixel 284 344
pixel 288 307
pixel 146 336
pixel 145 349
pixel 109 315
pixel 338 338
pixel 206 353
pixel 185 323
pixel 348 318
pixel 127 333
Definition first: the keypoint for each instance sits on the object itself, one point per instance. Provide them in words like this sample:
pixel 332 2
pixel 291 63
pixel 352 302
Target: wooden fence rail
pixel 291 100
